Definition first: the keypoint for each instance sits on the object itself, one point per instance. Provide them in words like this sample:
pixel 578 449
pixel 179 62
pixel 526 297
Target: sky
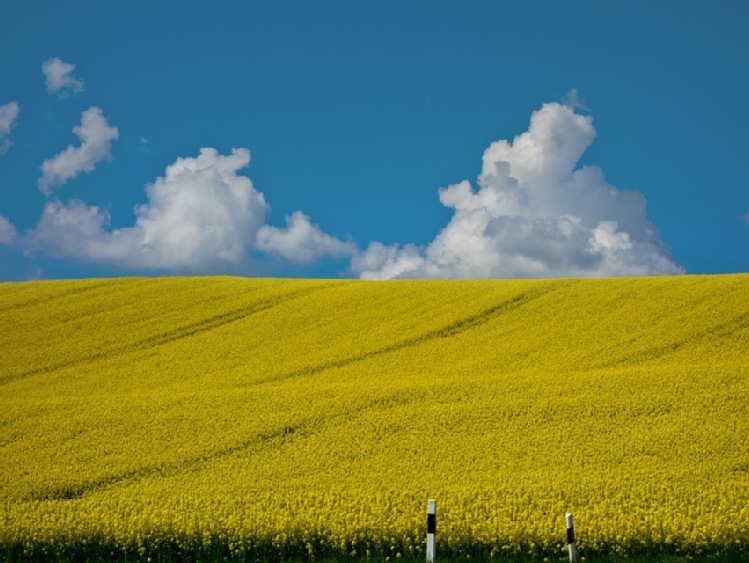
pixel 380 140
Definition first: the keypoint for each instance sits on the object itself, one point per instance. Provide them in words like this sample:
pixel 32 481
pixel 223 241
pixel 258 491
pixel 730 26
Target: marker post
pixel 431 529
pixel 571 537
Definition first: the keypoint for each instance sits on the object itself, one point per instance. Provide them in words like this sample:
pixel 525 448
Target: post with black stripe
pixel 431 528
pixel 571 537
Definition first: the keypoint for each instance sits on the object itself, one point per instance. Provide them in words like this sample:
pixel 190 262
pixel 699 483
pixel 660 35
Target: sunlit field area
pixel 266 419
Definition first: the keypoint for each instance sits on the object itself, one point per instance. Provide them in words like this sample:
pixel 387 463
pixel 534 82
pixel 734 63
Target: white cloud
pixel 534 215
pixel 572 99
pixel 202 215
pixel 388 262
pixel 199 215
pixel 7 232
pixel 96 136
pixel 8 116
pixel 301 241
pixel 60 78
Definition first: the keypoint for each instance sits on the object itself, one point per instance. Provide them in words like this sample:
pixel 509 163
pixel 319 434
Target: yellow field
pixel 290 417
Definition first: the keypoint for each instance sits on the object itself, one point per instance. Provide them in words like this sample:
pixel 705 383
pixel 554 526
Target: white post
pixel 431 528
pixel 571 537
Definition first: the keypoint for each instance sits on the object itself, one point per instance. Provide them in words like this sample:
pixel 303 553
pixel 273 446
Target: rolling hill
pixel 268 418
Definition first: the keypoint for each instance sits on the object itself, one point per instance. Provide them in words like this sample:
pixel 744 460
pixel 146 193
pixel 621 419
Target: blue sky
pixel 373 139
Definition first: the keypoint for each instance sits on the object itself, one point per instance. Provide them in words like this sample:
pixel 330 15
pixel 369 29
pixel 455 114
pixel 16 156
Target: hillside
pixel 291 418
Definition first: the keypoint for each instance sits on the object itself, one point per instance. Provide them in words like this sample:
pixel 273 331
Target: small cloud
pixel 96 136
pixel 573 100
pixel 60 79
pixel 301 241
pixel 381 262
pixel 144 146
pixel 746 219
pixel 8 233
pixel 8 116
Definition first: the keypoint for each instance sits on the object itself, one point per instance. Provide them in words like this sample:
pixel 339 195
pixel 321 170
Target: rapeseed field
pixel 269 419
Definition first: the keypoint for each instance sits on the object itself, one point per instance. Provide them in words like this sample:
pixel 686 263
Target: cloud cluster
pixel 96 136
pixel 59 78
pixel 535 214
pixel 201 216
pixel 8 116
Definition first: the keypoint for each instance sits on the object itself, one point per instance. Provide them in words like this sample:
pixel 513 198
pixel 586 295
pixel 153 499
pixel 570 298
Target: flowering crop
pixel 309 418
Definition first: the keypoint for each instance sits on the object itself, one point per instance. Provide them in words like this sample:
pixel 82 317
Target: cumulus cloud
pixel 59 78
pixel 202 215
pixel 534 214
pixel 8 116
pixel 8 233
pixel 301 241
pixel 96 137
